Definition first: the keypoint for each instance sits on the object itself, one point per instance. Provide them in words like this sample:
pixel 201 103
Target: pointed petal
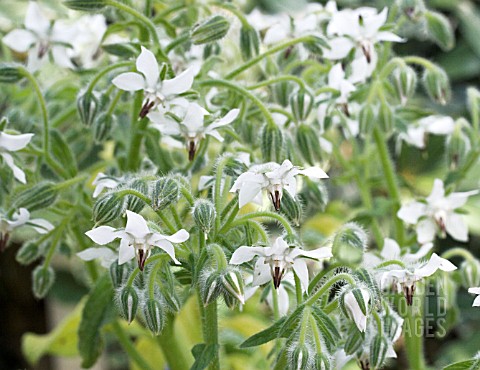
pixel 314 173
pixel 244 254
pixel 389 36
pixel 40 225
pixel 435 263
pixel 136 225
pixel 61 58
pixel 456 227
pixel 147 64
pixel 438 191
pixel 126 252
pixel 35 20
pixel 318 254
pixel 422 252
pixel 411 212
pixel 391 249
pixel 225 120
pixel 474 290
pixel 261 272
pixel 179 237
pixel 476 302
pixel 194 117
pixel 300 268
pixel 168 248
pixel 248 192
pixel 426 230
pixel 180 84
pixel 129 81
pixel 457 200
pixel 17 172
pixel 19 40
pixel 102 235
pixel 13 143
pixel 90 254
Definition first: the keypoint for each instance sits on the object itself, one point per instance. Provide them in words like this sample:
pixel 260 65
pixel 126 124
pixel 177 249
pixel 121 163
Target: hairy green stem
pixel 298 289
pixel 328 284
pixel 264 214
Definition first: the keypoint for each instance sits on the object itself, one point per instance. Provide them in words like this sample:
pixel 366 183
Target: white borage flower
pixel 19 219
pixel 137 239
pixel 156 91
pixel 281 292
pixel 357 311
pixel 405 278
pixel 12 143
pixel 416 134
pixel 476 302
pixel 103 181
pixel 360 29
pixel 275 261
pixel 437 213
pixel 191 125
pixel 337 81
pixel 106 255
pixel 274 178
pixel 40 37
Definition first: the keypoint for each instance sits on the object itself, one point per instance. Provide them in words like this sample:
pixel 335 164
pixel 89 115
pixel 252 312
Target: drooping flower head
pixel 19 219
pixel 156 91
pixel 416 134
pixel 12 143
pixel 272 177
pixel 192 125
pixel 137 239
pixel 275 261
pixel 437 213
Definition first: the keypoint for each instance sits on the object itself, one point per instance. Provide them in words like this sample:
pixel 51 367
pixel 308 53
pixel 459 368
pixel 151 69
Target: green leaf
pixel 326 326
pixel 291 323
pixel 61 341
pixel 464 365
pixel 469 19
pixel 264 336
pixel 203 355
pixel 62 153
pixel 94 315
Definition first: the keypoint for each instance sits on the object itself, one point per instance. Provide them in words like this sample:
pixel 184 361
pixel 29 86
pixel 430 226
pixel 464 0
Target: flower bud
pixel 43 278
pixel 292 208
pixel 282 92
pixel 234 166
pixel 233 284
pixel 316 44
pixel 392 325
pixel 204 214
pixel 28 252
pixel 301 103
pixel 107 208
pixel 314 195
pixel 437 85
pixel 323 361
pixel 413 9
pixel 385 119
pixel 272 143
pixel 301 357
pixel 38 196
pixel 128 303
pixel 164 192
pixel 154 315
pixel 349 243
pixel 249 42
pixel 85 5
pixel 440 30
pixel 470 273
pixel 210 30
pixel 458 144
pixel 405 82
pixel 210 286
pixel 307 143
pixel 473 101
pixel 102 126
pixel 10 73
pixel 132 202
pixel 378 350
pixel 119 273
pixel 353 341
pixel 87 105
pixel 366 120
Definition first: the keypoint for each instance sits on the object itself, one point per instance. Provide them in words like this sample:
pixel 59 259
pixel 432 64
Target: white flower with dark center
pixel 156 91
pixel 437 213
pixel 103 181
pixel 40 37
pixel 405 278
pixel 137 239
pixel 416 134
pixel 337 81
pixel 90 30
pixel 12 143
pixel 275 261
pixel 476 302
pixel 19 219
pixel 272 177
pixel 191 125
pixel 360 29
